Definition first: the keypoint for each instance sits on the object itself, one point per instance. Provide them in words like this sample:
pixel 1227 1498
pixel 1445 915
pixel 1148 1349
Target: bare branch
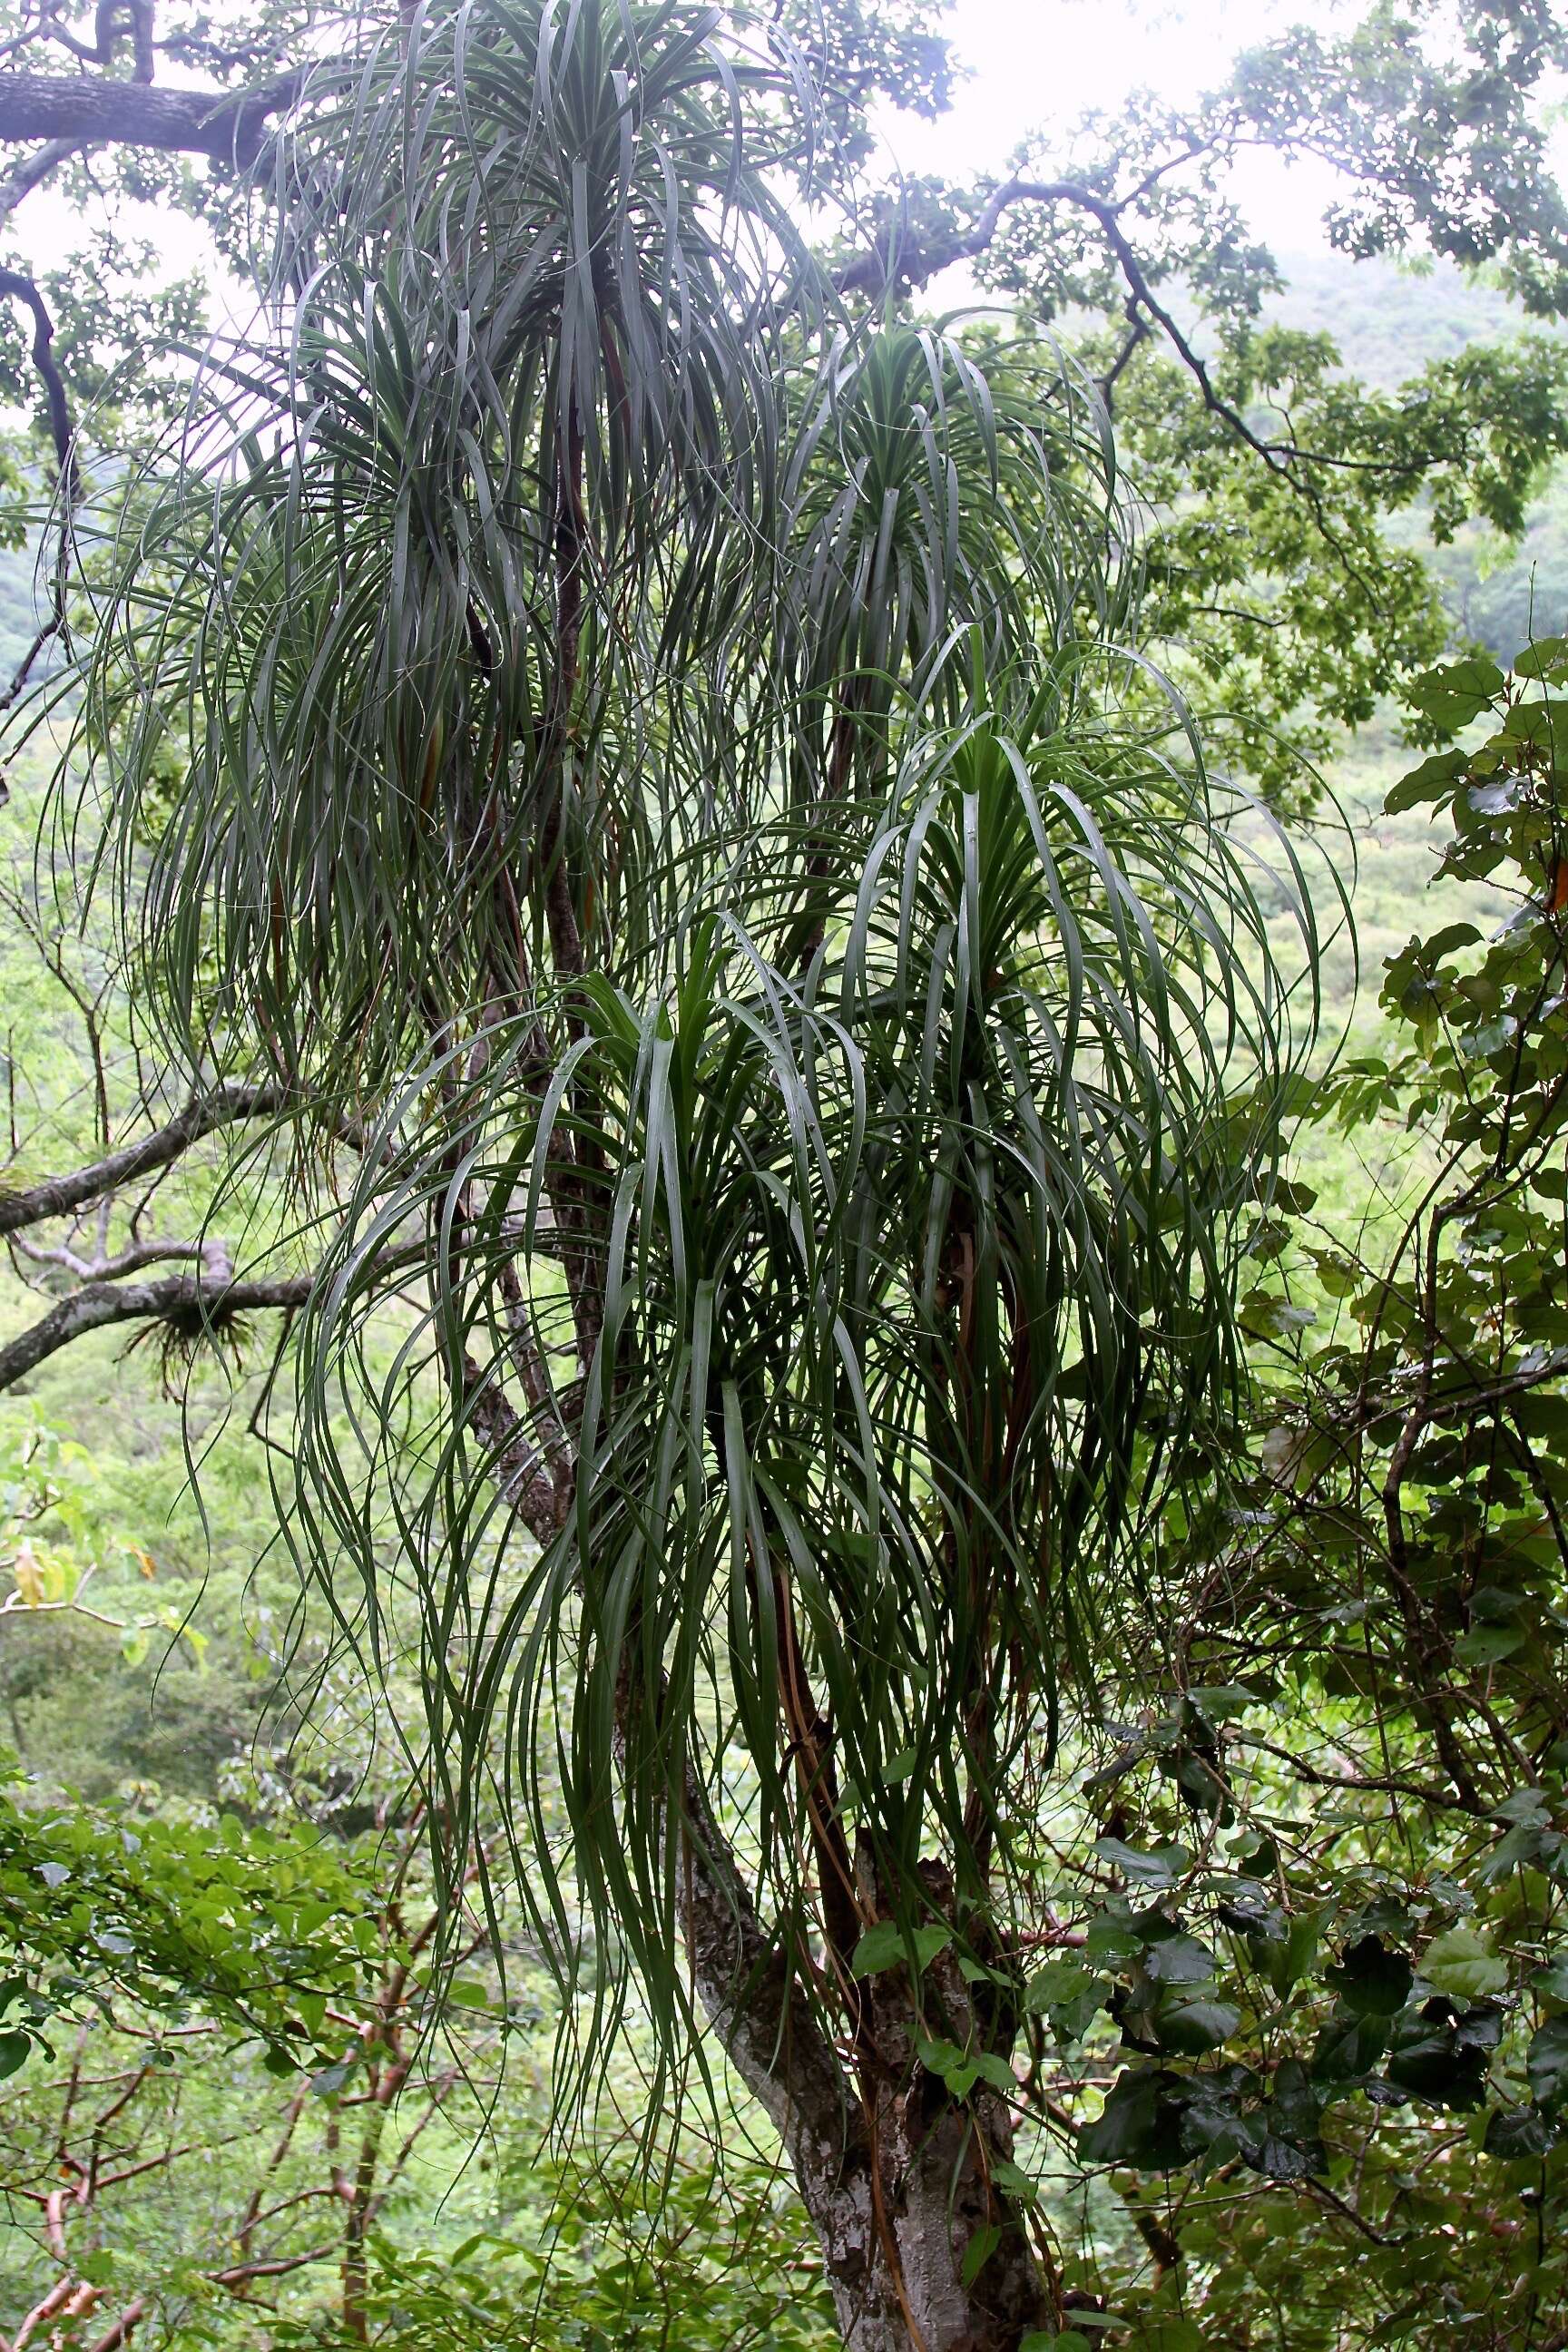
pixel 745 1982
pixel 752 1993
pixel 111 18
pixel 178 1300
pixel 57 2296
pixel 241 2274
pixel 539 1488
pixel 892 262
pixel 56 1196
pixel 1138 332
pixel 105 1268
pixel 1378 1784
pixel 905 262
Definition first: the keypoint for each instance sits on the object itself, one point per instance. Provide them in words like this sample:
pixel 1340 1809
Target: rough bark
pixel 87 109
pixel 896 2221
pixel 182 1301
pixel 895 2174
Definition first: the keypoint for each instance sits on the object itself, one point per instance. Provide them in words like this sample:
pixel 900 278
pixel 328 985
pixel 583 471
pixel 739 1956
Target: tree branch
pixel 119 2331
pixel 208 1300
pixel 1380 1784
pixel 227 126
pixel 890 262
pixel 535 1473
pixel 134 1260
pixel 56 1196
pixel 750 1993
pixel 32 170
pixel 242 2273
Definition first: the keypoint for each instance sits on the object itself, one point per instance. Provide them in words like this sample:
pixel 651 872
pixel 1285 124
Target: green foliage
pixel 795 1174
pixel 261 1928
pixel 1362 1936
pixel 1430 114
pixel 711 2258
pixel 1241 562
pixel 816 1354
pixel 882 1122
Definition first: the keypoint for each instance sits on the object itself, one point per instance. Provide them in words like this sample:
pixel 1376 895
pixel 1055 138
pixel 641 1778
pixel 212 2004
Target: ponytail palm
pixel 656 756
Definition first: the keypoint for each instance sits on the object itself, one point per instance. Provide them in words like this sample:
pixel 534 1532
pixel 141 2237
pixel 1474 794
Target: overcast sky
pixel 1037 62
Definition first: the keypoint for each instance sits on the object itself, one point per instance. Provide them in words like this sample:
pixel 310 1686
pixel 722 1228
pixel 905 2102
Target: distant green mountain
pixel 1388 322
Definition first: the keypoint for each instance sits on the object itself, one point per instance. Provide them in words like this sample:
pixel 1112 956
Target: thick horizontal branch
pixel 89 110
pixel 182 1301
pixel 56 1196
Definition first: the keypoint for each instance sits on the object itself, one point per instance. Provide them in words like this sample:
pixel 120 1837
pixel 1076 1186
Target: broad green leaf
pixel 1372 1981
pixel 1429 782
pixel 1462 1962
pixel 884 1946
pixel 1455 693
pixel 1159 1867
pixel 1192 2027
pixel 1545 657
pixel 1137 2124
pixel 979 2251
pixel 1009 2177
pixel 1519 2134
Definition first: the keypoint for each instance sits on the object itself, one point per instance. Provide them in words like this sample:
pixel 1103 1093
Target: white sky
pixel 1036 63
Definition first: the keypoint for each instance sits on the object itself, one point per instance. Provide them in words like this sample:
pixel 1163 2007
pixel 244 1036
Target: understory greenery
pixel 853 1454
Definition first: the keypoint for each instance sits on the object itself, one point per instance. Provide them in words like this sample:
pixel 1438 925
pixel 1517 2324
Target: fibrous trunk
pixel 921 2246
pixel 917 2248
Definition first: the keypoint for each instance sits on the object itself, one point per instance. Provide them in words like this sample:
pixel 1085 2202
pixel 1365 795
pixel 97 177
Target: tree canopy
pixel 1279 597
